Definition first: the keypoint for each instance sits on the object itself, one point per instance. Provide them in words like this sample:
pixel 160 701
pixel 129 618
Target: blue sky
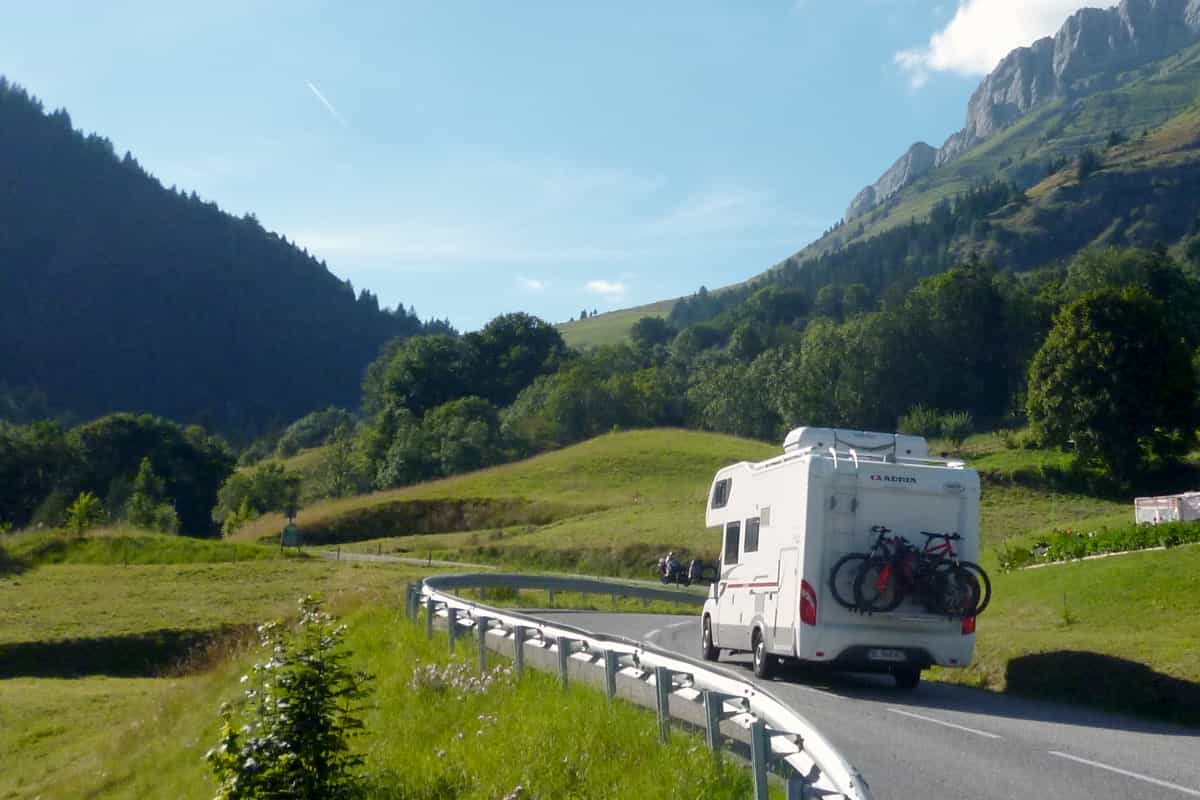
pixel 477 158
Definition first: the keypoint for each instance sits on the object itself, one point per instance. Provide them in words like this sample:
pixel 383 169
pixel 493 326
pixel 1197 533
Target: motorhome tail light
pixel 808 603
pixel 968 626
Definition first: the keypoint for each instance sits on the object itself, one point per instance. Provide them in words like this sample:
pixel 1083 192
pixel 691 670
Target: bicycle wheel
pixel 841 579
pixel 985 585
pixel 877 587
pixel 955 591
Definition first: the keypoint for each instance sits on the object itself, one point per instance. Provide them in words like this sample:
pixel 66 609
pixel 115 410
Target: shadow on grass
pixel 142 655
pixel 11 565
pixel 1073 688
pixel 1103 681
pixel 1154 480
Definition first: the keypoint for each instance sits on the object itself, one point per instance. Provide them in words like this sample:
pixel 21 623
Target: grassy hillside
pixel 610 505
pixel 611 327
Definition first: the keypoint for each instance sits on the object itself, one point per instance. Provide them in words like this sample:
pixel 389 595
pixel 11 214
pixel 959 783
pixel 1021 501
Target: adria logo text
pixel 893 478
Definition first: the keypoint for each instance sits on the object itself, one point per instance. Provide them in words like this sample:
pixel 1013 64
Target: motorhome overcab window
pixel 732 533
pixel 721 494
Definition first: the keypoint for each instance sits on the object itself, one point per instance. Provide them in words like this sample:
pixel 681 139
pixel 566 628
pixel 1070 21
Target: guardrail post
pixel 551 593
pixel 614 601
pixel 610 675
pixel 797 789
pixel 713 705
pixel 429 610
pixel 519 650
pixel 564 653
pixel 452 626
pixel 481 628
pixel 662 691
pixel 760 751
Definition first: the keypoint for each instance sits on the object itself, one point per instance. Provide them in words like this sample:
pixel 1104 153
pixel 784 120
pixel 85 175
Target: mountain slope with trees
pixel 119 294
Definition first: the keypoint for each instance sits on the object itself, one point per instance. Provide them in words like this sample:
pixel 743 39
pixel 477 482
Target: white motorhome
pixel 788 520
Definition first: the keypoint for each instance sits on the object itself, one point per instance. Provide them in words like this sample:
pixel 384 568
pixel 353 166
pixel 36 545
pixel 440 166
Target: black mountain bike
pixel 846 569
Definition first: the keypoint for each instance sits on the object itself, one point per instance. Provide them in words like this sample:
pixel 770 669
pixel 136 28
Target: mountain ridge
pixel 1081 58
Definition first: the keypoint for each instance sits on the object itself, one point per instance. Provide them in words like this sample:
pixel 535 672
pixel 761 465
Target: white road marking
pixel 1127 773
pixel 947 724
pixel 815 690
pixel 652 634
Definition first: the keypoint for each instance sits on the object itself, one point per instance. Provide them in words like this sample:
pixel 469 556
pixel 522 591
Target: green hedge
pixel 1067 544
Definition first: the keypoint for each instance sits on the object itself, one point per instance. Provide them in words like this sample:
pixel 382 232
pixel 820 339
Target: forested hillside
pixel 119 294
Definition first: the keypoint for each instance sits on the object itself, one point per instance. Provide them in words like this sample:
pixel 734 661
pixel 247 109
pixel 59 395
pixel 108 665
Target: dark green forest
pixel 119 294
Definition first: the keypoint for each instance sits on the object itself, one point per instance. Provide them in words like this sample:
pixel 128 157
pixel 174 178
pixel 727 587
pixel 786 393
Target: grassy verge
pixel 135 728
pixel 1117 633
pixel 127 546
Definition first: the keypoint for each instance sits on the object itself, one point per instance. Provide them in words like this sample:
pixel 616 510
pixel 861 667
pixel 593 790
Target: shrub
pixel 957 427
pixel 298 714
pixel 1068 544
pixel 86 512
pixel 921 421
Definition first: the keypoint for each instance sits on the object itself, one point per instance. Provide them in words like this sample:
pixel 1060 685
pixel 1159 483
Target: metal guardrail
pixel 724 703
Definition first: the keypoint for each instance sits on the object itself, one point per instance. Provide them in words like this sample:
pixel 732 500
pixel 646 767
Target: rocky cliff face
pixel 1092 43
pixel 919 159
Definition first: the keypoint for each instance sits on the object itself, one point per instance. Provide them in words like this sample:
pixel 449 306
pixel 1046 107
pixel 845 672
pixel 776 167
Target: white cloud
pixel 981 33
pixel 328 105
pixel 613 291
pixel 533 284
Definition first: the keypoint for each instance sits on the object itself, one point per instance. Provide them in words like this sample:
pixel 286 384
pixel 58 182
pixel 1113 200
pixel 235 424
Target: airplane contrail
pixel 328 105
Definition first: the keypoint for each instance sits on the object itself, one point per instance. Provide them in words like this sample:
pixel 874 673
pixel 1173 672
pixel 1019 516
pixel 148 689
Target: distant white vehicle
pixel 1167 508
pixel 788 521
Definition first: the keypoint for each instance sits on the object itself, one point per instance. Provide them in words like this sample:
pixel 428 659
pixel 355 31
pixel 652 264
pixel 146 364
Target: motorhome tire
pixel 764 662
pixel 907 677
pixel 708 651
pixel 842 576
pixel 873 595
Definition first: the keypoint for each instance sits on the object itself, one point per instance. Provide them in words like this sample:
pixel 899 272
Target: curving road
pixel 950 742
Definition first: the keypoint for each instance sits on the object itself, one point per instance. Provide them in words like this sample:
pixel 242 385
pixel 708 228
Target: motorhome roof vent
pixel 897 445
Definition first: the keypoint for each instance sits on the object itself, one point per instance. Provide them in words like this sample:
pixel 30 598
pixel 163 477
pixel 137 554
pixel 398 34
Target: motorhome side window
pixel 721 493
pixel 751 545
pixel 732 533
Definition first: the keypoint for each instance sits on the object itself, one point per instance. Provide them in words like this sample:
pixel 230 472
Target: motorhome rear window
pixel 721 493
pixel 733 532
pixel 751 535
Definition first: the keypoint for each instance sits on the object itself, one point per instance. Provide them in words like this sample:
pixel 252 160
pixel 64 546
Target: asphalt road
pixel 944 741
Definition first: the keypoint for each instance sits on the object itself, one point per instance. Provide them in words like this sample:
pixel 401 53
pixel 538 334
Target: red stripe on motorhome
pixel 750 585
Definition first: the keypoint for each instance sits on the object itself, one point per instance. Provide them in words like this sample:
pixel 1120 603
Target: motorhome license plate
pixel 881 654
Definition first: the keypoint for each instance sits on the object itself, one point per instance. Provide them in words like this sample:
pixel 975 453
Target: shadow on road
pixel 143 655
pixel 1069 688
